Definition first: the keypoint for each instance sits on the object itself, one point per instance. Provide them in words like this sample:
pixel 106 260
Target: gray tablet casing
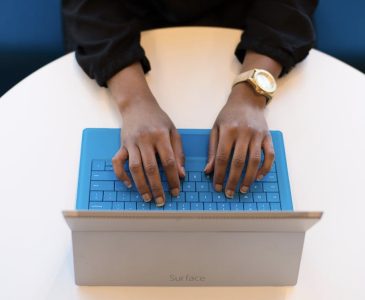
pixel 188 248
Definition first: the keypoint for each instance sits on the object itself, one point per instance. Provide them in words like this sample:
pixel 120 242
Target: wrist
pixel 246 94
pixel 136 102
pixel 129 88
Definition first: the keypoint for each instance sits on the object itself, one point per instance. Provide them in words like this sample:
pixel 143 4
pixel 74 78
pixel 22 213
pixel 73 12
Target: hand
pixel 147 130
pixel 240 125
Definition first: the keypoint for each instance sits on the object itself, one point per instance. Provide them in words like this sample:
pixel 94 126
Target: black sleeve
pixel 107 37
pixel 280 29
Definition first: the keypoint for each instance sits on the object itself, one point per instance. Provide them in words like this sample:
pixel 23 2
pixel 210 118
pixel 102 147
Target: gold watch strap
pixel 243 77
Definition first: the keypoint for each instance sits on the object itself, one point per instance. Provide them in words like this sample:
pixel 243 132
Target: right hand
pixel 147 131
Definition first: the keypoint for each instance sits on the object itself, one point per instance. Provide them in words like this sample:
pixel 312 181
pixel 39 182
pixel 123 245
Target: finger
pixel 178 150
pixel 254 159
pixel 269 156
pixel 136 168
pixel 221 160
pixel 153 174
pixel 213 145
pixel 237 165
pixel 118 166
pixel 169 165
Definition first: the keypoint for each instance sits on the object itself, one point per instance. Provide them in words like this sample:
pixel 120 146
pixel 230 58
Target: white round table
pixel 319 108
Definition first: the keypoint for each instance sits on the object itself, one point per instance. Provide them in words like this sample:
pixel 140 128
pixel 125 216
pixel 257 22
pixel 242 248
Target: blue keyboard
pixel 196 192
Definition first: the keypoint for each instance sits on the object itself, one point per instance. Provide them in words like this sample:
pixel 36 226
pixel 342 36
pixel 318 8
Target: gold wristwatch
pixel 262 81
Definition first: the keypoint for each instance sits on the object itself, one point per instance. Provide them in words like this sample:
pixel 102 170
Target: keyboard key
pixel 103 175
pixel 143 206
pixel 98 165
pixel 236 198
pixel 188 186
pixel 130 205
pixel 275 206
pixel 269 177
pixel 207 177
pixel 126 166
pixel 195 176
pixel 110 196
pixel 219 197
pixel 273 168
pixel 223 206
pixel 165 186
pixel 259 197
pixel 205 197
pixel 133 188
pixel 168 197
pixel 273 197
pixel 96 196
pixel 118 206
pixel 236 206
pixel 183 206
pixel 102 186
pixel 210 206
pixel 196 206
pixel 202 187
pixel 100 206
pixel 135 196
pixel 256 187
pixel 108 163
pixel 155 207
pixel 120 186
pixel 263 206
pixel 270 187
pixel 246 197
pixel 211 187
pixel 250 206
pixel 179 198
pixel 192 196
pixel 124 196
pixel 108 168
pixel 170 206
pixel 195 164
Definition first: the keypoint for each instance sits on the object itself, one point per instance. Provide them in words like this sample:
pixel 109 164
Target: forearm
pixel 129 87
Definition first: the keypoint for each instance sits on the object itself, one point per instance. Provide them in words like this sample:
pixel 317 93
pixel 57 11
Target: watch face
pixel 265 81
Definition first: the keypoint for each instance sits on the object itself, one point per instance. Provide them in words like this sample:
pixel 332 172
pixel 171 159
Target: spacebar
pixel 195 164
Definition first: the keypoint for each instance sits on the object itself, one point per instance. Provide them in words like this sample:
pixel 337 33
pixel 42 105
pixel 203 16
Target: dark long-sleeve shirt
pixel 107 33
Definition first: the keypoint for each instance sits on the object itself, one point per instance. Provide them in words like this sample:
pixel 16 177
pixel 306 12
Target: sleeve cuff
pixel 117 64
pixel 278 54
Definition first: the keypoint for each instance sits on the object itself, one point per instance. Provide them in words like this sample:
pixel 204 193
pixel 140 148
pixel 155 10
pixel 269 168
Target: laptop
pixel 199 238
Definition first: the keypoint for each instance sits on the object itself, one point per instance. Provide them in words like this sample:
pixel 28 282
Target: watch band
pixel 243 77
pixel 250 77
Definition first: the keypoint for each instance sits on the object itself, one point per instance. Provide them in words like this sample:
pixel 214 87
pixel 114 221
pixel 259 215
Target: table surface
pixel 318 107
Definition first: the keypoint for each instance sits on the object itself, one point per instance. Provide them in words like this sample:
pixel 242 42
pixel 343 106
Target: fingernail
pixel 127 184
pixel 159 201
pixel 218 187
pixel 260 177
pixel 205 167
pixel 146 197
pixel 183 171
pixel 230 193
pixel 244 189
pixel 175 192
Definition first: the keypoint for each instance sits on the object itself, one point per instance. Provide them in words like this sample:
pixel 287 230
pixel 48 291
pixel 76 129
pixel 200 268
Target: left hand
pixel 240 125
